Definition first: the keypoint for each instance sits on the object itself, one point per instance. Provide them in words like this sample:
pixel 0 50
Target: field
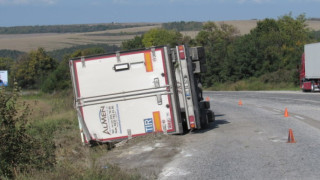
pixel 54 41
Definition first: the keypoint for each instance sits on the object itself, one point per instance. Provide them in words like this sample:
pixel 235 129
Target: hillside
pixel 54 41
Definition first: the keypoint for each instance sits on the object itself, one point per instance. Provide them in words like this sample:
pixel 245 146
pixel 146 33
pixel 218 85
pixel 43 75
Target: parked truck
pixel 310 64
pixel 133 93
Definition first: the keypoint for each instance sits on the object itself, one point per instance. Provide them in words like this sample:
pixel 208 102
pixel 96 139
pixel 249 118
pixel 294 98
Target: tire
pixel 213 117
pixel 184 123
pixel 204 119
pixel 209 116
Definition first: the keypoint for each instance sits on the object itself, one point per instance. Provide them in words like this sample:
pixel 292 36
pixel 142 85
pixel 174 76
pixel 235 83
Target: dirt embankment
pixel 146 155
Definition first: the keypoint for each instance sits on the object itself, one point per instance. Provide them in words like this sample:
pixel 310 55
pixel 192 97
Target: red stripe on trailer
pixel 120 137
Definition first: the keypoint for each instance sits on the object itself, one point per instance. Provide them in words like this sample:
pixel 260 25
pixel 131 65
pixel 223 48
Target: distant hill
pixel 245 26
pixel 55 41
pixel 13 54
pixel 73 28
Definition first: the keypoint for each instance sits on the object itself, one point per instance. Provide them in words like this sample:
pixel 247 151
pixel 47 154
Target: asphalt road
pixel 250 141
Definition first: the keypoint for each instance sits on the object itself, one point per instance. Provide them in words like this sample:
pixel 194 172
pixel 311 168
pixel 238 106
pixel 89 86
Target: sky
pixel 53 12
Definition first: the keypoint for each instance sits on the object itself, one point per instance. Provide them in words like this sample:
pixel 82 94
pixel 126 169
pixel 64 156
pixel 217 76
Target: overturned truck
pixel 133 93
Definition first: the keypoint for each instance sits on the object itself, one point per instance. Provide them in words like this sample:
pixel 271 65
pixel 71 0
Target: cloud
pixel 25 2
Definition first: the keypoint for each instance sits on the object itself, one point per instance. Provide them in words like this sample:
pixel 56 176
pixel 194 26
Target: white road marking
pixel 277 110
pixel 301 100
pixel 299 117
pixel 173 171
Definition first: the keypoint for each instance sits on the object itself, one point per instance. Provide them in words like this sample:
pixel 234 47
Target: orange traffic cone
pixel 286 114
pixel 240 103
pixel 207 98
pixel 291 137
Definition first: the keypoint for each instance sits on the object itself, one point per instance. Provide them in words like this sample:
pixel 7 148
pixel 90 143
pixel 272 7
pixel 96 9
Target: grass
pixel 54 116
pixel 253 84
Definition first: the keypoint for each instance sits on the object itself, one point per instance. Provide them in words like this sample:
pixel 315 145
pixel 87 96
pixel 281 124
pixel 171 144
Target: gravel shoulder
pixel 146 155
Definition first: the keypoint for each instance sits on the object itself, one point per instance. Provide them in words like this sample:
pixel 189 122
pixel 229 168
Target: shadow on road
pixel 216 124
pixel 218 115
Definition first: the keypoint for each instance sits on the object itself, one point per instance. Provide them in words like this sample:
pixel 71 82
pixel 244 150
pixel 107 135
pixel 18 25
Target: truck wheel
pixel 204 119
pixel 184 123
pixel 211 117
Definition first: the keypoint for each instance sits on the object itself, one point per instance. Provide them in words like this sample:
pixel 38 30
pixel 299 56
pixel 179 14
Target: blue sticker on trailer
pixel 148 125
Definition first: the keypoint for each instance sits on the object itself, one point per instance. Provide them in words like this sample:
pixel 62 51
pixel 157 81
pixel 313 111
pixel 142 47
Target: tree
pixel 217 40
pixel 273 46
pixel 183 26
pixel 6 63
pixel 13 54
pixel 295 33
pixel 87 52
pixel 59 79
pixel 31 70
pixel 159 36
pixel 135 43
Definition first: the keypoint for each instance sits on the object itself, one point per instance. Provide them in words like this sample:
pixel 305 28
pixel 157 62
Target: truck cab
pixel 189 66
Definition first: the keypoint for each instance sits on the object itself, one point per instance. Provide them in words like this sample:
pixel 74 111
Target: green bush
pixel 253 84
pixel 288 76
pixel 19 151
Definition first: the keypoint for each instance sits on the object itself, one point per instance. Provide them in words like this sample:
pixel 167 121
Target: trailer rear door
pixel 125 94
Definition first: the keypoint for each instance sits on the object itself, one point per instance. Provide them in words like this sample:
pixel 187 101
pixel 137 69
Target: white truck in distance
pixel 309 72
pixel 133 93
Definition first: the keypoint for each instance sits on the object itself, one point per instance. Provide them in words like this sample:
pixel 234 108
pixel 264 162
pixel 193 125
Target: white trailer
pixel 132 93
pixel 312 60
pixel 310 63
